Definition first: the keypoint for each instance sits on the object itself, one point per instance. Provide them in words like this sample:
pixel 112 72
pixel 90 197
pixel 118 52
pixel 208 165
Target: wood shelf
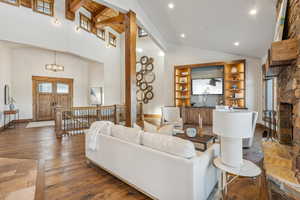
pixel 183 88
pixel 240 84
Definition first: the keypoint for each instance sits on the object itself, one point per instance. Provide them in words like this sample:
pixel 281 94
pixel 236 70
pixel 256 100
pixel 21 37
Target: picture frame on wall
pixel 96 95
pixel 6 94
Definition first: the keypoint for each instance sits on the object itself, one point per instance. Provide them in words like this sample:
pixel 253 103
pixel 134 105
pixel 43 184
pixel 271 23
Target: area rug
pixel 18 179
pixel 40 124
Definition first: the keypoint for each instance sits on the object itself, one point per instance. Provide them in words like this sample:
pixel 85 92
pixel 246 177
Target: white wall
pixel 96 75
pixel 5 64
pixel 180 55
pixel 28 62
pixel 27 27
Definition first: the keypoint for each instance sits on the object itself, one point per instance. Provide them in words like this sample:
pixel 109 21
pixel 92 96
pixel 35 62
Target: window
pixel 12 2
pixel 142 32
pixel 45 87
pixel 112 40
pixel 44 6
pixel 101 33
pixel 62 88
pixel 85 22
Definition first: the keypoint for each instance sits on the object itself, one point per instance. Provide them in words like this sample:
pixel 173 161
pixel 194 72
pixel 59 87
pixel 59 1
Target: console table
pixel 7 115
pixel 199 139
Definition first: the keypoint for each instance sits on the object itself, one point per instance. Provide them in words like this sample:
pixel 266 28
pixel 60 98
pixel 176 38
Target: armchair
pixel 171 116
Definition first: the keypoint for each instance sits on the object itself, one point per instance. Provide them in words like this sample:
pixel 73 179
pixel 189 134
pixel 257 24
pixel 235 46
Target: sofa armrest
pixel 204 172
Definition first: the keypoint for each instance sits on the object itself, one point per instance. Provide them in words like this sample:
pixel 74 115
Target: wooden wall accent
pixel 130 68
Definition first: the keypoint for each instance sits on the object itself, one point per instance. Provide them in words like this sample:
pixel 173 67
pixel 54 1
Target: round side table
pixel 248 169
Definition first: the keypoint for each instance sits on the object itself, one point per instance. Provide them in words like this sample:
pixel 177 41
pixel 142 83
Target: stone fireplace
pixel 285 133
pixel 288 84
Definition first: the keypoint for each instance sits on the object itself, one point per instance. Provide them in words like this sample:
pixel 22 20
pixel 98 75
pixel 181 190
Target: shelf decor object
pixel 234 84
pixel 182 86
pixel 144 78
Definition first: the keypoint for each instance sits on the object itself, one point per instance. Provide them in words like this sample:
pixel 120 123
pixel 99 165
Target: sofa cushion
pixel 166 129
pixel 128 134
pixel 150 127
pixel 169 144
pixel 103 127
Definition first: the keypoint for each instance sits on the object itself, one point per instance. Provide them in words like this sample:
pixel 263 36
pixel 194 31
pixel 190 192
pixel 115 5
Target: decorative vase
pixel 233 69
pixel 12 106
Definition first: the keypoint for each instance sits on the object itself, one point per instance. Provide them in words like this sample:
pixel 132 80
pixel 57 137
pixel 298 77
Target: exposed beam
pixel 76 4
pixel 113 20
pixel 130 68
pixel 105 14
pixel 120 28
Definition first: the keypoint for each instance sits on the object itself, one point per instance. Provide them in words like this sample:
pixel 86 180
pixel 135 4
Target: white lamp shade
pixel 233 124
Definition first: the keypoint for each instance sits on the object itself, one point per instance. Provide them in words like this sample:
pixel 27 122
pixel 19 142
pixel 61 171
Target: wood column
pixel 130 68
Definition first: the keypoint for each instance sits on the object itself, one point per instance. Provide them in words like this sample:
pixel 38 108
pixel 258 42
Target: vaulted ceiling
pixel 215 25
pixel 101 16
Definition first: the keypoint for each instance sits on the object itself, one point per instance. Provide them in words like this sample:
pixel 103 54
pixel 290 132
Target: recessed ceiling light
pixel 182 35
pixel 253 11
pixel 171 5
pixel 161 53
pixel 140 50
pixel 236 44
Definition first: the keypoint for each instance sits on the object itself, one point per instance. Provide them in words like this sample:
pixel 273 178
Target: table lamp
pixel 232 126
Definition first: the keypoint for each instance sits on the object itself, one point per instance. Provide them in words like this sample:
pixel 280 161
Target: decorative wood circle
pixel 149 77
pixel 149 67
pixel 146 101
pixel 139 76
pixel 140 95
pixel 149 95
pixel 139 66
pixel 144 60
pixel 150 88
pixel 143 85
pixel 150 60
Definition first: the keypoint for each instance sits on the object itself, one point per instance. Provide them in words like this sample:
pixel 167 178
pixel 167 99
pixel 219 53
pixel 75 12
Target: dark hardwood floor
pixel 67 176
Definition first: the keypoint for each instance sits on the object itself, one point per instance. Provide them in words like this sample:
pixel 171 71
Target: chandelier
pixel 54 67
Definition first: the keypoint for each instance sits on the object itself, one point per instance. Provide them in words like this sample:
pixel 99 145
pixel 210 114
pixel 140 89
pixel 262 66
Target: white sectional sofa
pixel 161 166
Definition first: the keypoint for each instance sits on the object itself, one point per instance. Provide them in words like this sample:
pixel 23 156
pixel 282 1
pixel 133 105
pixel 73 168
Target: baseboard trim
pixel 152 116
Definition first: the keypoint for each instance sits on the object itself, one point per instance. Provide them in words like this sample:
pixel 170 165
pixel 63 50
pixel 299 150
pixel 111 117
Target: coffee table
pixel 202 139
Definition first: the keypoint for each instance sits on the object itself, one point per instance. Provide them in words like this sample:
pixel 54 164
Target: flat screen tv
pixel 207 86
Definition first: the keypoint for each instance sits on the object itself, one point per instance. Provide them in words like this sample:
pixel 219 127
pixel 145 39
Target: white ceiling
pixel 215 24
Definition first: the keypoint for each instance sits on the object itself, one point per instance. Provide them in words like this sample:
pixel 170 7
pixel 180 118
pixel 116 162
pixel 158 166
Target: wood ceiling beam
pixel 105 14
pixel 113 20
pixel 76 4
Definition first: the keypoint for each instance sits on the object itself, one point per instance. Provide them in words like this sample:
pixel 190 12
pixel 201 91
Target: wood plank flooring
pixel 68 177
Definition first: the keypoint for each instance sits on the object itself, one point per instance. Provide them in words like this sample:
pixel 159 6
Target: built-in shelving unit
pixel 182 82
pixel 234 84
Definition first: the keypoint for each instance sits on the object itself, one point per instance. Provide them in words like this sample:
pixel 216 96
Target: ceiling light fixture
pixel 171 5
pixel 139 50
pixel 182 35
pixel 54 67
pixel 77 29
pixel 253 11
pixel 56 21
pixel 236 44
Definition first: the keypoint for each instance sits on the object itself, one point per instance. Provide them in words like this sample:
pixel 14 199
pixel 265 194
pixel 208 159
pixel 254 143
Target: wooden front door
pixel 48 93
